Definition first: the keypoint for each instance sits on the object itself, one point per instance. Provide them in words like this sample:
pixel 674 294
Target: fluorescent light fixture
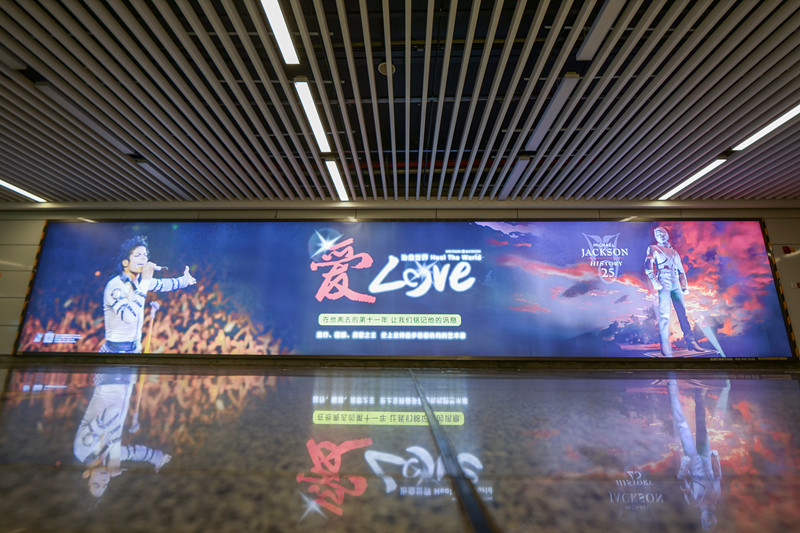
pixel 333 168
pixel 786 117
pixel 23 192
pixel 605 18
pixel 513 177
pixel 692 179
pixel 555 106
pixel 281 31
pixel 310 107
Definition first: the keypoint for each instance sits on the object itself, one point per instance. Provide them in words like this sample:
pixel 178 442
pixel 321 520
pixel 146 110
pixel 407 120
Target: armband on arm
pixel 126 308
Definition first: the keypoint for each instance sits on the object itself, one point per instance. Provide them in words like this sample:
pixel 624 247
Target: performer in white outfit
pixel 125 294
pixel 98 441
pixel 664 268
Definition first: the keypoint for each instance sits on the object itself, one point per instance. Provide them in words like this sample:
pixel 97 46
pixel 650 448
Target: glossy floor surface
pixel 213 449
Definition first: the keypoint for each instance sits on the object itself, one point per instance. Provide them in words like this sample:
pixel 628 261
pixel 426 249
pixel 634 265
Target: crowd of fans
pixel 197 321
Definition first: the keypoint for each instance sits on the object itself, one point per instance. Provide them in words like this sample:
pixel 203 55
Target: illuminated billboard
pixel 538 289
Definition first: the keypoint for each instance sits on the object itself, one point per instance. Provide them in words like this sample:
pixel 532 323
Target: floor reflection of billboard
pixel 669 454
pixel 482 289
pixel 576 452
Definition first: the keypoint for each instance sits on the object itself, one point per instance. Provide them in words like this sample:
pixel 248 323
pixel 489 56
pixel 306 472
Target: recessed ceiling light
pixel 780 121
pixel 513 177
pixel 383 68
pixel 314 120
pixel 22 192
pixel 341 191
pixel 281 31
pixel 565 88
pixel 692 179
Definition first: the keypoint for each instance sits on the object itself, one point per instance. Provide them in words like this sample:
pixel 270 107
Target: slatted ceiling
pixel 716 94
pixel 483 144
pixel 635 114
pixel 389 73
pixel 366 39
pixel 335 79
pixel 757 169
pixel 577 27
pixel 598 98
pixel 197 93
pixel 225 120
pixel 201 137
pixel 324 99
pixel 80 160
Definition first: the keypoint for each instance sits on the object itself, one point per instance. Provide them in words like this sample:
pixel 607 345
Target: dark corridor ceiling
pixel 190 100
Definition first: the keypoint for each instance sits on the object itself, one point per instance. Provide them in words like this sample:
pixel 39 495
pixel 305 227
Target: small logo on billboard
pixel 604 253
pixel 49 336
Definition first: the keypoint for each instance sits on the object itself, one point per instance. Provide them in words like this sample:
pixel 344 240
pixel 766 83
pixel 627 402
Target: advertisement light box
pixel 539 289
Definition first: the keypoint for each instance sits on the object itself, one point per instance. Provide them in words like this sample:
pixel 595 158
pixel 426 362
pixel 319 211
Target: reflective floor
pixel 139 449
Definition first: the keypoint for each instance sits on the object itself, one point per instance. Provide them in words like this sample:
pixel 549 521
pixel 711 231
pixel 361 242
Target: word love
pixel 421 278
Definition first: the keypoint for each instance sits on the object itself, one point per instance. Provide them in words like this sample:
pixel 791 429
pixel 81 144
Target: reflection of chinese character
pixel 327 465
pixel 335 282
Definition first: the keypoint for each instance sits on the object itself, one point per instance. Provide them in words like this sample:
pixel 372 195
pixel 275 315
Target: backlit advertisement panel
pixel 538 289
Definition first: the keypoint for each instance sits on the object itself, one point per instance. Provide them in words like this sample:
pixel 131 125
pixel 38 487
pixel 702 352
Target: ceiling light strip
pixel 717 99
pixel 23 192
pixel 333 169
pixel 38 56
pixel 280 30
pixel 555 106
pixel 607 15
pixel 254 103
pixel 513 177
pixel 314 120
pixel 692 179
pixel 190 76
pixel 42 144
pixel 308 43
pixel 756 169
pixel 723 116
pixel 352 147
pixel 41 111
pixel 626 109
pixel 772 126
